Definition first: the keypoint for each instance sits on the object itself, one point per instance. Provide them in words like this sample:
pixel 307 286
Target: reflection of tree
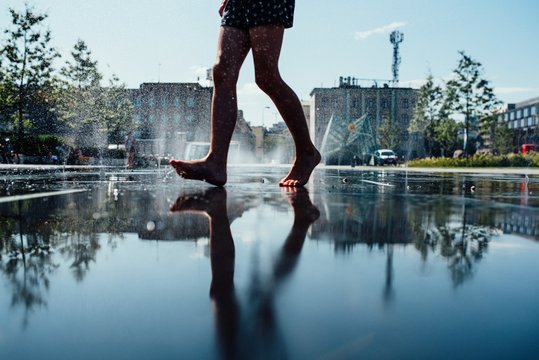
pixel 82 249
pixel 439 230
pixel 28 277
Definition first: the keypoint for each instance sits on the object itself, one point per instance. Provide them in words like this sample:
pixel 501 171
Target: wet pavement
pixel 364 263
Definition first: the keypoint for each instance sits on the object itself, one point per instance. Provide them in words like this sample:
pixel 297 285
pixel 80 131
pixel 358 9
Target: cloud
pixel 513 90
pixel 362 35
pixel 250 89
pixel 201 72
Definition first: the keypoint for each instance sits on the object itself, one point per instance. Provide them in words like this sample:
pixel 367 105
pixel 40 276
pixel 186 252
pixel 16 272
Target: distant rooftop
pixel 528 102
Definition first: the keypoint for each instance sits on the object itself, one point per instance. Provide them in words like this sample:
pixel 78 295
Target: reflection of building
pixel 523 117
pixel 350 101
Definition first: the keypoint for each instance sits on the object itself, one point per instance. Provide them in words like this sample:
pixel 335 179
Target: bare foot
pixel 204 170
pixel 301 170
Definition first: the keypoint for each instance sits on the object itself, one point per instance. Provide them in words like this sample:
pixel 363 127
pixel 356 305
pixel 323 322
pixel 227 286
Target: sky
pixel 175 41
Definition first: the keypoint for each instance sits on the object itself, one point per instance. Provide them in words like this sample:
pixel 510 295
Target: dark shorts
pixel 245 14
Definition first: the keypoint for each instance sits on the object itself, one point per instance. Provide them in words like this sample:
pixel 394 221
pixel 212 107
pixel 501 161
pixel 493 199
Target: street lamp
pixel 263 112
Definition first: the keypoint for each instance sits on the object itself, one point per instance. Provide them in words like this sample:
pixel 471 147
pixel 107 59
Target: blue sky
pixel 174 40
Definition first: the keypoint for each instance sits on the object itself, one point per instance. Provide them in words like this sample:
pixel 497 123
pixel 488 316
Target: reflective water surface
pixel 361 264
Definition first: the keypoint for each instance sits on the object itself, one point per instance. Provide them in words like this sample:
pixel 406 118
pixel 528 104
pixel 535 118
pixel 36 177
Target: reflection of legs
pixel 305 213
pixel 266 43
pixel 233 47
pixel 212 203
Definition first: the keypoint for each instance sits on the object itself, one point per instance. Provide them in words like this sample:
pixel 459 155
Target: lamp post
pixel 263 112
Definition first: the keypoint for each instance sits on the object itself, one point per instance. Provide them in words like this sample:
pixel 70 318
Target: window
pixel 151 101
pixel 190 119
pixel 384 104
pixel 177 102
pixel 405 103
pixel 526 112
pixel 355 103
pixel 519 114
pixel 506 117
pixel 370 103
pixel 191 101
pixel 177 119
pixel 533 111
pixel 151 118
pixel 404 119
pixel 164 101
pixel 512 116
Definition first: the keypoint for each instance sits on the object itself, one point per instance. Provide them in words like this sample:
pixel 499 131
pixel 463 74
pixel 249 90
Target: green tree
pixel 79 106
pixel 389 134
pixel 27 62
pixel 445 134
pixel 118 110
pixel 469 94
pixel 503 138
pixel 427 112
pixel 89 108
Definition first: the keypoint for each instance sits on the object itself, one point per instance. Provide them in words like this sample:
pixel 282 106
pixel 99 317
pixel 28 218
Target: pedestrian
pixel 130 148
pixel 7 152
pixel 258 26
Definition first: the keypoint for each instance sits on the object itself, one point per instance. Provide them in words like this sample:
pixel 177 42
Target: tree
pixel 503 138
pixel 27 61
pixel 82 70
pixel 445 134
pixel 469 94
pixel 427 112
pixel 389 134
pixel 87 107
pixel 118 110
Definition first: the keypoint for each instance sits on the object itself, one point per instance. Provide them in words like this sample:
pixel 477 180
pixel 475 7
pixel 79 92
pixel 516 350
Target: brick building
pixel 524 118
pixel 351 101
pixel 168 115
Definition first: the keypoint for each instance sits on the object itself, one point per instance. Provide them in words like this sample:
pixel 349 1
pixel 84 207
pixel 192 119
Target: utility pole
pixel 396 38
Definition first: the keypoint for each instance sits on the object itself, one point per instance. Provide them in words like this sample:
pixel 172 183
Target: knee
pixel 267 82
pixel 218 73
pixel 223 75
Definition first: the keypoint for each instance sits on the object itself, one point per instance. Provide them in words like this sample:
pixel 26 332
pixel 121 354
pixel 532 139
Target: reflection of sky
pixel 147 299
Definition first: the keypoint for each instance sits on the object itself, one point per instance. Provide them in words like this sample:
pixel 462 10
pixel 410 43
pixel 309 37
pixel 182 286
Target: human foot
pixel 301 170
pixel 204 170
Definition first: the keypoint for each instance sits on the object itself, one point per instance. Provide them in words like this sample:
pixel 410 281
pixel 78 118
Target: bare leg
pixel 213 204
pixel 266 42
pixel 233 46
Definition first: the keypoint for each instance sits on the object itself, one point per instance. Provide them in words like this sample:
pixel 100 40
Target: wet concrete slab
pixel 101 262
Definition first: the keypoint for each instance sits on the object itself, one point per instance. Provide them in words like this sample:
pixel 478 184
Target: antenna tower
pixel 396 37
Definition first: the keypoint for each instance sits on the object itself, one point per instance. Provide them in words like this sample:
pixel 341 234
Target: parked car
pixel 385 157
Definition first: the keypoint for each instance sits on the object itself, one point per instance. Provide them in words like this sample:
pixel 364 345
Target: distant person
pixel 258 26
pixel 131 149
pixel 7 152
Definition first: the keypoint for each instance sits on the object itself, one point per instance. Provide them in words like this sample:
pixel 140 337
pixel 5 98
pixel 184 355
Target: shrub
pixel 481 160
